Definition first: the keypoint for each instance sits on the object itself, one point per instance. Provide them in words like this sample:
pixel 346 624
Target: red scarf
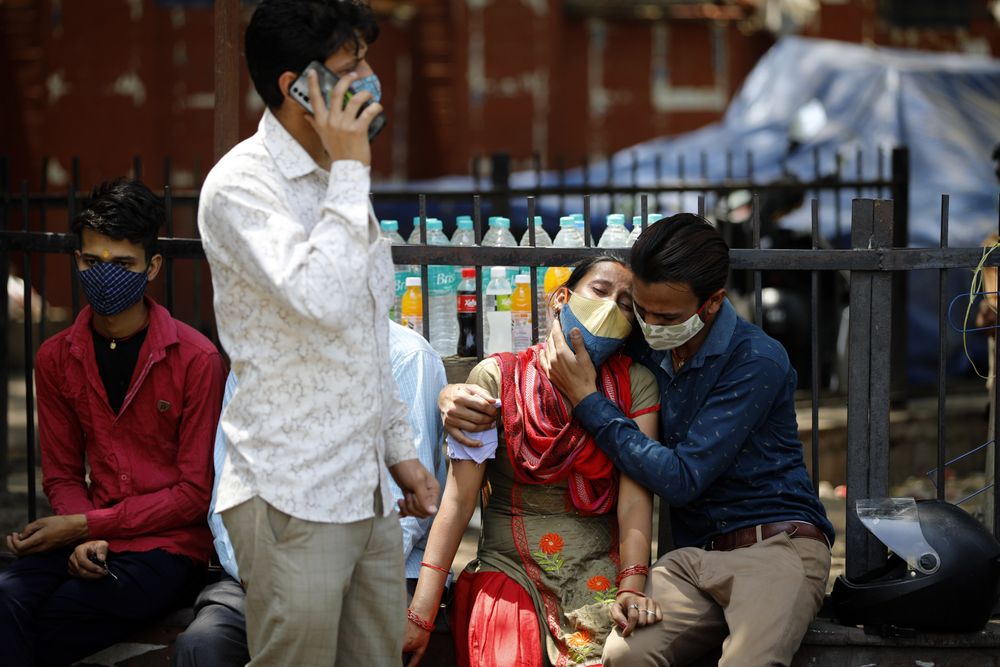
pixel 545 444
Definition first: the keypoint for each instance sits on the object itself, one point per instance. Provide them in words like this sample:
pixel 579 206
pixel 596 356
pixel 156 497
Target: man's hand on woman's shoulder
pixel 466 407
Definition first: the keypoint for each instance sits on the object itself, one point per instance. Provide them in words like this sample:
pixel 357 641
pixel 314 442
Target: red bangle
pixel 421 623
pixel 630 590
pixel 629 571
pixel 434 567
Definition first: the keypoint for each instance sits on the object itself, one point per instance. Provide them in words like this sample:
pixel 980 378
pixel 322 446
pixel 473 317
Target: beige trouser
pixel 756 602
pixel 320 593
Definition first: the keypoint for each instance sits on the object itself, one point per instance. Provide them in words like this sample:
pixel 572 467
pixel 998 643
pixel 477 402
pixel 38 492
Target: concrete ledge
pixel 828 644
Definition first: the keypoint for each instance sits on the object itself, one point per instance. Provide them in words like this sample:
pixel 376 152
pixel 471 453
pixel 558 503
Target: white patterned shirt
pixel 303 283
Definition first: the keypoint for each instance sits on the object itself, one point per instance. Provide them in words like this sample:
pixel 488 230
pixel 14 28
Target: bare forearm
pixel 443 541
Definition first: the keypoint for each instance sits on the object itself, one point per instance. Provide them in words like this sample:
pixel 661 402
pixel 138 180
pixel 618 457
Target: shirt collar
pixel 719 336
pixel 292 159
pixel 162 331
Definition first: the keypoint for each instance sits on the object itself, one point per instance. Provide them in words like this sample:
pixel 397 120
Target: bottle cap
pixel 567 221
pixel 416 221
pixel 500 222
pixel 538 221
pixel 522 278
pixel 389 225
pixel 413 281
pixel 577 216
pixel 616 219
pixel 434 223
pixel 498 273
pixel 463 222
pixel 469 272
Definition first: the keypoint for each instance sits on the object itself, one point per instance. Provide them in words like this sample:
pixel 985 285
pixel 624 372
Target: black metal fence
pixel 873 262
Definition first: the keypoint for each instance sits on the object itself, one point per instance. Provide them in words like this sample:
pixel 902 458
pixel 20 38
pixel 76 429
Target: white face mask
pixel 669 336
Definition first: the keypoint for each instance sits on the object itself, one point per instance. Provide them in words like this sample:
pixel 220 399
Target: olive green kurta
pixel 567 562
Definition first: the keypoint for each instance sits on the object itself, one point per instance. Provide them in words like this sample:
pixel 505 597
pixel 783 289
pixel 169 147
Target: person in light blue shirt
pixel 217 636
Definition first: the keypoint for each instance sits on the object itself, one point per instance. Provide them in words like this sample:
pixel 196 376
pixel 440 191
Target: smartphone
pixel 327 80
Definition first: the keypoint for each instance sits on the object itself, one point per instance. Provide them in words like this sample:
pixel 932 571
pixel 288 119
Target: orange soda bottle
pixel 413 305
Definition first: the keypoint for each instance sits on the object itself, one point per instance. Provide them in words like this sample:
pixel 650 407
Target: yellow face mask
pixel 601 322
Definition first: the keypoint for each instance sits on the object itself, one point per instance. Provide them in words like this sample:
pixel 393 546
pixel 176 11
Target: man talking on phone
pixel 303 286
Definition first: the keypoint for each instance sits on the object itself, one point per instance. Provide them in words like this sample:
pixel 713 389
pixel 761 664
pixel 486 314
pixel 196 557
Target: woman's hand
pixel 415 643
pixel 631 611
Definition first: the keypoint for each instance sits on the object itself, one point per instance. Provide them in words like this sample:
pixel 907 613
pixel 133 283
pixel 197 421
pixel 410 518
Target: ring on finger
pixel 634 606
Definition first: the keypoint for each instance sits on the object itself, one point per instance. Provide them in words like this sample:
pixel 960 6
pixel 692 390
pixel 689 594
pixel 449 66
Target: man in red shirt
pixel 134 395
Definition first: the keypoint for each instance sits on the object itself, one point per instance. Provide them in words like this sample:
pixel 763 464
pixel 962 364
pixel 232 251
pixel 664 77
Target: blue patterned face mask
pixel 371 84
pixel 111 288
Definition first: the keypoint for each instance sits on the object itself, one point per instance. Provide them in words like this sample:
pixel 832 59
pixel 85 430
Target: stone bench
pixel 826 644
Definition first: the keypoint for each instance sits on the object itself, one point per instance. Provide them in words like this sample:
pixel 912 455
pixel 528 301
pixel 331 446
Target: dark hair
pixel 684 248
pixel 123 209
pixel 286 35
pixel 581 268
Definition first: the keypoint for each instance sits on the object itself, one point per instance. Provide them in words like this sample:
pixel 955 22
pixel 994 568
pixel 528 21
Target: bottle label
pixel 503 302
pixel 415 322
pixel 401 277
pixel 467 304
pixel 441 279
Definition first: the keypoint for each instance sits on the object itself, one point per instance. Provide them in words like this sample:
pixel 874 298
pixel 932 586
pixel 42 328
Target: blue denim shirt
pixel 729 454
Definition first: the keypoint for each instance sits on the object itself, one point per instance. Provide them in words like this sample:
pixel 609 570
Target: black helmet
pixel 943 573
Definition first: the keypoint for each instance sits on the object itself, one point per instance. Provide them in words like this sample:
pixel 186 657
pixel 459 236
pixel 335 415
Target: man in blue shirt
pixel 217 636
pixel 753 555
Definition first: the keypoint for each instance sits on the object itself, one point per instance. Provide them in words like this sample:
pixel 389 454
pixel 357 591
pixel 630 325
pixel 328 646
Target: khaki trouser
pixel 756 602
pixel 320 593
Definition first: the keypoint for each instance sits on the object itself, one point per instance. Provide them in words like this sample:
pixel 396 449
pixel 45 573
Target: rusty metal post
pixel 868 382
pixel 227 76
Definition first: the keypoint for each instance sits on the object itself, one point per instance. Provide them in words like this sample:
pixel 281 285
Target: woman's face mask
pixel 669 336
pixel 601 321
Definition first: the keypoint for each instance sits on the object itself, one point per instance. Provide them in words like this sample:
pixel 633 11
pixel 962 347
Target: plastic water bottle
pixel 390 230
pixel 442 284
pixel 520 309
pixel 464 234
pixel 414 237
pixel 496 305
pixel 615 235
pixel 499 236
pixel 568 236
pixel 413 305
pixel 467 313
pixel 579 224
pixel 637 226
pixel 542 240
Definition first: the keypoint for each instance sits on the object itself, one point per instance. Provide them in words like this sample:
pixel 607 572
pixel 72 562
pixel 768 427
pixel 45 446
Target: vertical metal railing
pixel 4 320
pixel 995 435
pixel 29 361
pixel 814 329
pixel 942 419
pixel 868 381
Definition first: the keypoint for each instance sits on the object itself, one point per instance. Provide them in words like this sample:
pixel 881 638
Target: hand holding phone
pixel 300 92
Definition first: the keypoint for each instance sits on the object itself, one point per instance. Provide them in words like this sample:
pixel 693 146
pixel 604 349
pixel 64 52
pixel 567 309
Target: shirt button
pixel 124 477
